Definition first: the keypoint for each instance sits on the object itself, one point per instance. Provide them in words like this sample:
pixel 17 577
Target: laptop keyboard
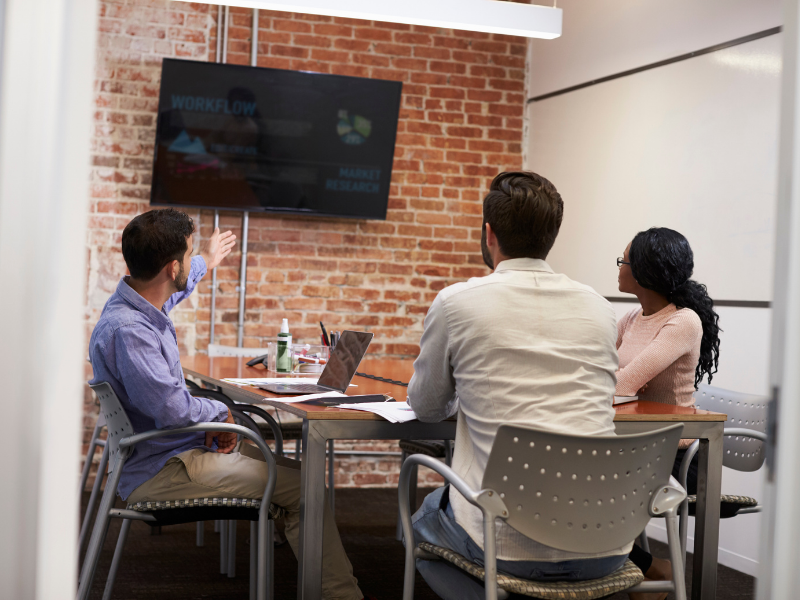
pixel 305 388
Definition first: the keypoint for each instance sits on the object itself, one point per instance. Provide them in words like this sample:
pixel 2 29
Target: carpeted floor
pixel 170 566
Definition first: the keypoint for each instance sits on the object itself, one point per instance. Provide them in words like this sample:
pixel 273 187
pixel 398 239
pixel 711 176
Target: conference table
pixel 321 424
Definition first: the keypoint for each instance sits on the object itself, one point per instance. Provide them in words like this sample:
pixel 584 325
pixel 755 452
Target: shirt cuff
pixel 223 412
pixel 199 267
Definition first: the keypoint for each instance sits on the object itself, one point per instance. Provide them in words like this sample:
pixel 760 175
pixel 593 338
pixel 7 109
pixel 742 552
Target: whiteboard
pixel 691 146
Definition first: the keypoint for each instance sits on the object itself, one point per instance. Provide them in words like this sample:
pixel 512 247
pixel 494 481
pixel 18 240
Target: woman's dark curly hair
pixel 662 260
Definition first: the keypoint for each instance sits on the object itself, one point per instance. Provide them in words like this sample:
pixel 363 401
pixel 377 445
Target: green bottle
pixel 283 359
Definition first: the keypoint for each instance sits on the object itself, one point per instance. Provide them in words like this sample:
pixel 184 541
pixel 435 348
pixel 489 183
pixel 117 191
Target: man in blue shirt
pixel 134 348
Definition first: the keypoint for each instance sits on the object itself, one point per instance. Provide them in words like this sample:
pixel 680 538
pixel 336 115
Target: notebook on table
pixel 339 371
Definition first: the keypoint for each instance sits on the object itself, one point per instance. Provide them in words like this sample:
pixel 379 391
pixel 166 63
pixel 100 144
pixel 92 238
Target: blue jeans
pixel 434 523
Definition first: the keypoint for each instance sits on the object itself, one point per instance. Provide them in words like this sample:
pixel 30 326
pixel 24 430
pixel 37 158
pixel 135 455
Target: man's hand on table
pixel 217 247
pixel 225 441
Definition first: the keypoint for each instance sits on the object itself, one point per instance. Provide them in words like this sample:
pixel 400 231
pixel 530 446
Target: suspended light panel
pixel 489 16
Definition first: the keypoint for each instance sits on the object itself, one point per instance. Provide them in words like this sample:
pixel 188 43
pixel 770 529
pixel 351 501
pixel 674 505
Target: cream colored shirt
pixel 522 346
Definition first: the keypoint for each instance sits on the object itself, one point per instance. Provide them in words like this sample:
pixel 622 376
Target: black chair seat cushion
pixel 432 448
pixel 175 512
pixel 290 431
pixel 626 577
pixel 728 506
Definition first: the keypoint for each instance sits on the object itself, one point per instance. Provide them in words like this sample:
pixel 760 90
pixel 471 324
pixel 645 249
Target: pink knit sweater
pixel 661 351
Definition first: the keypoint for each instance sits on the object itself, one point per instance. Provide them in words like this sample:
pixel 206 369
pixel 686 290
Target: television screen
pixel 246 138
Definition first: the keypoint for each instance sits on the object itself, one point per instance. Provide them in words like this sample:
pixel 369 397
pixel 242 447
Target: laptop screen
pixel 344 360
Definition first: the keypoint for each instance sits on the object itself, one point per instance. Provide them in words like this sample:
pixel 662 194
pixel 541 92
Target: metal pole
pixel 254 40
pixel 242 280
pixel 225 45
pixel 213 286
pixel 222 34
pixel 219 33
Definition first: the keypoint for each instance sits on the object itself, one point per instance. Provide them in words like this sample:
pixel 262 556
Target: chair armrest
pixel 487 500
pixel 129 442
pixel 668 498
pixel 730 432
pixel 442 469
pixel 742 432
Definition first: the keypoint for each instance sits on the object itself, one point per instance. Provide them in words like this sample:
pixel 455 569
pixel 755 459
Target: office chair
pixel 742 448
pixel 120 444
pixel 583 494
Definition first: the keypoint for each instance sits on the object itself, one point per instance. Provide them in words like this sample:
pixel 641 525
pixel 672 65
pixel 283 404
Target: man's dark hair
pixel 154 239
pixel 525 211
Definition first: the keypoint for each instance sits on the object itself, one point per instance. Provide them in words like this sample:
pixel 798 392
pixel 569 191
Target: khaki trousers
pixel 203 474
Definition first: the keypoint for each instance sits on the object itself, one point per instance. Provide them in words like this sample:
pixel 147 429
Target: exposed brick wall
pixel 461 123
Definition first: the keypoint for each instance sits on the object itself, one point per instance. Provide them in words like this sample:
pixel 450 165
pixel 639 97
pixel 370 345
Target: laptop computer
pixel 339 371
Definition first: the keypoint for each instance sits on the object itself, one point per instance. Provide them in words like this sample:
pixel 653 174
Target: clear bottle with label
pixel 283 359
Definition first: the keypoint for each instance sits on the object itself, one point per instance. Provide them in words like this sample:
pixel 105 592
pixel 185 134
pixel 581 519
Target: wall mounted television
pixel 231 137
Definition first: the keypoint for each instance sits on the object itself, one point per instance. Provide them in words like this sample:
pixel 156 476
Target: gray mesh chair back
pixel 598 489
pixel 116 420
pixel 745 411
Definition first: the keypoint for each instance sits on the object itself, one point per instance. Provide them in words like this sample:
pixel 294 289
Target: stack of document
pixel 396 412
pixel 624 399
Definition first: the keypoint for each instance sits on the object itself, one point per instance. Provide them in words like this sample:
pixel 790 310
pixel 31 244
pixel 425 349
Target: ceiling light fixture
pixel 490 16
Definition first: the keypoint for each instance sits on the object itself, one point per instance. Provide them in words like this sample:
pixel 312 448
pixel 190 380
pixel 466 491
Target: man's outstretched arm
pixel 217 247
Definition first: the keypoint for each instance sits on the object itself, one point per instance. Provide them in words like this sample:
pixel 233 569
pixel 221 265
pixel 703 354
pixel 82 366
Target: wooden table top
pixel 219 368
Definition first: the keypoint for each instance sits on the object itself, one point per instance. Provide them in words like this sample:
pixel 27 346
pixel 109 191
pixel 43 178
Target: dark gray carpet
pixel 170 566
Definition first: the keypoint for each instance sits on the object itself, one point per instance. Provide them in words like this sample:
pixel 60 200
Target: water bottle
pixel 283 359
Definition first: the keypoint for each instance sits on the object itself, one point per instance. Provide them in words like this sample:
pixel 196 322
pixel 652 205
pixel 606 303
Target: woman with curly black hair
pixel 666 347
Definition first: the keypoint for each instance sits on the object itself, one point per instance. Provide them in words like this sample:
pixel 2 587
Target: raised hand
pixel 217 247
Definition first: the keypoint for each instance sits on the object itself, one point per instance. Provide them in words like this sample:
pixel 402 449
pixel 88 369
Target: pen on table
pixel 325 339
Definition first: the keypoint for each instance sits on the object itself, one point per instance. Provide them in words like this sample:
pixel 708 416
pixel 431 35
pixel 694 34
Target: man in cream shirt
pixel 522 345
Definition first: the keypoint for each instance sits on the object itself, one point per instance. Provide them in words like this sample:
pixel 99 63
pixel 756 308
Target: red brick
pixel 513 85
pixel 447 92
pixel 416 39
pixel 469 56
pixel 293 25
pixel 372 60
pixel 440 66
pixel 317 41
pixel 333 30
pixel 374 34
pixel 428 52
pixel 292 51
pixel 392 49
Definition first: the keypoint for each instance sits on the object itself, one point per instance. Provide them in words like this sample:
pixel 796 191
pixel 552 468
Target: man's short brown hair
pixel 524 211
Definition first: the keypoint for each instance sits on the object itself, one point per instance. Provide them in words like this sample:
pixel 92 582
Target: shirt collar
pixel 133 298
pixel 523 264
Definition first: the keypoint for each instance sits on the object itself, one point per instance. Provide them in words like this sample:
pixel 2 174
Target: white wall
pixel 605 37
pixel 692 145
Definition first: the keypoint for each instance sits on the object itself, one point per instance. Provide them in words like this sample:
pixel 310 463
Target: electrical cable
pixel 383 379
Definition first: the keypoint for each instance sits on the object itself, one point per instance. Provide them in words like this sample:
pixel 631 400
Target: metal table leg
pixel 706 525
pixel 312 499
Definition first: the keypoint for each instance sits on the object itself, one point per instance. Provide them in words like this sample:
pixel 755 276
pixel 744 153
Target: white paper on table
pixel 309 397
pixel 624 399
pixel 396 412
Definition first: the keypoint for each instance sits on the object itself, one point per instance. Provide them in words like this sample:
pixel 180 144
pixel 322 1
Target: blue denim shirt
pixel 135 349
